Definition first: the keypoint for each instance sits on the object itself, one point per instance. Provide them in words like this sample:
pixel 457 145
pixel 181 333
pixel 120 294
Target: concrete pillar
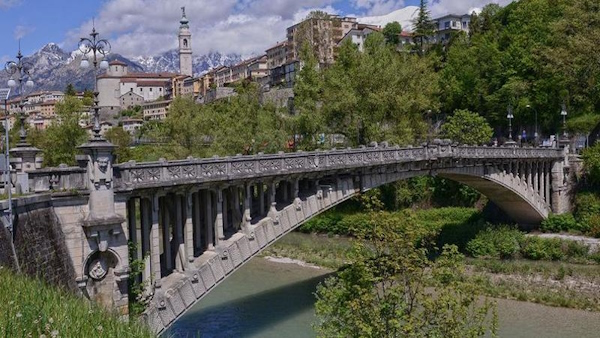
pixel 272 197
pixel 154 239
pixel 247 217
pixel 536 177
pixel 166 235
pixel 547 183
pixel 179 225
pixel 542 169
pixel 210 221
pixel 131 224
pixel 261 199
pixel 226 206
pixel 560 198
pixel 146 220
pixel 219 217
pixel 235 208
pixel 530 174
pixel 197 225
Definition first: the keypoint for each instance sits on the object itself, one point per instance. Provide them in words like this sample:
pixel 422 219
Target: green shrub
pixel 501 243
pixel 558 223
pixel 325 223
pixel 537 248
pixel 574 249
pixel 587 209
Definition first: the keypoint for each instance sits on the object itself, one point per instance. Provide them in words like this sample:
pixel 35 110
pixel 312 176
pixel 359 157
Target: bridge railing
pixel 62 178
pixel 132 175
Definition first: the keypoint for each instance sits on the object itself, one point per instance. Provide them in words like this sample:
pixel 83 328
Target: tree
pixel 466 127
pixel 591 164
pixel 423 26
pixel 70 90
pixel 60 140
pixel 121 139
pixel 392 289
pixel 391 32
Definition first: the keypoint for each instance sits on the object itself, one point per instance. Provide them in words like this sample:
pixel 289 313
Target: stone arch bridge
pixel 195 221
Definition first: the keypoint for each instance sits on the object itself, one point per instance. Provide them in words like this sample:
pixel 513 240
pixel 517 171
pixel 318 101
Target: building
pixel 118 81
pixel 183 85
pixel 359 35
pixel 277 55
pixel 222 76
pixel 157 110
pixel 257 68
pixel 132 125
pixel 205 82
pixel 130 100
pixel 322 33
pixel 185 46
pixel 449 24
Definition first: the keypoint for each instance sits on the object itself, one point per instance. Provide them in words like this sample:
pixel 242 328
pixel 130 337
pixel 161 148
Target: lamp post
pixel 510 116
pixel 25 155
pixel 535 133
pixel 20 71
pixel 564 140
pixel 99 48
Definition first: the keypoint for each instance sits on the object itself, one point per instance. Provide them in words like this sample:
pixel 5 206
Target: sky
pixel 149 27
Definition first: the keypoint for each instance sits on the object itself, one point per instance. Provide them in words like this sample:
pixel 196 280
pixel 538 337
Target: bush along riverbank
pixel 30 308
pixel 505 261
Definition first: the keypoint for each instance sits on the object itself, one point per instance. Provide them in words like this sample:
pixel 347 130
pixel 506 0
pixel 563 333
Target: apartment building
pixel 448 24
pixel 156 110
pixel 277 55
pixel 359 35
pixel 323 33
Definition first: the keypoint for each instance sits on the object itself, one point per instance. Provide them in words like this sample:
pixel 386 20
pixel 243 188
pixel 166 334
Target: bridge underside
pixel 514 205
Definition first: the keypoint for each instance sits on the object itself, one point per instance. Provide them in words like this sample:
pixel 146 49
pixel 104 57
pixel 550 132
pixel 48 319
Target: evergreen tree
pixel 424 27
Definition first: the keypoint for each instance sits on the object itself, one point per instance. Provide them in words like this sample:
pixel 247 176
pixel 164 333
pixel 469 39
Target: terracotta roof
pixel 164 75
pixel 148 83
pixel 117 63
pixel 281 44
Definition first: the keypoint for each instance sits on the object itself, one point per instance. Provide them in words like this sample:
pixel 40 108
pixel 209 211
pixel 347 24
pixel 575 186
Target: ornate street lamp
pixel 510 116
pixel 99 48
pixel 563 113
pixel 20 71
pixel 535 133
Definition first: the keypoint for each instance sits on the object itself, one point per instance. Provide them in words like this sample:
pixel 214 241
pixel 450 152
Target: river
pixel 272 299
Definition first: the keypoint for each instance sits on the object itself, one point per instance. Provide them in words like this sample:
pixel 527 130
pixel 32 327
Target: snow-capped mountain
pixel 54 69
pixel 404 16
pixel 169 62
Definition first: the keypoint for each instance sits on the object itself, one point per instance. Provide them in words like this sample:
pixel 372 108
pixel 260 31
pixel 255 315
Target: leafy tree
pixel 423 26
pixel 391 32
pixel 122 140
pixel 60 140
pixel 466 127
pixel 385 291
pixel 591 163
pixel 307 89
pixel 70 90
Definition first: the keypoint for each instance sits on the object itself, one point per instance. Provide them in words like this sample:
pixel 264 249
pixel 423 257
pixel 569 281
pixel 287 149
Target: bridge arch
pixel 512 190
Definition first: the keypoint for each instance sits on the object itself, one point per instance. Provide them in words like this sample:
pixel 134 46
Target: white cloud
pixel 378 7
pixel 442 7
pixel 22 30
pixel 6 4
pixel 149 27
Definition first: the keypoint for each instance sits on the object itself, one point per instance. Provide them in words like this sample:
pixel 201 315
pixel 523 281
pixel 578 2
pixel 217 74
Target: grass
pixel 31 308
pixel 324 251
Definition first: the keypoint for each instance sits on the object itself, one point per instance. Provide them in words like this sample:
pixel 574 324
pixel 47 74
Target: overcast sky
pixel 149 27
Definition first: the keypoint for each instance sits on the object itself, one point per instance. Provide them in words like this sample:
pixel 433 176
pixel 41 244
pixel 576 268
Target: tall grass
pixel 30 308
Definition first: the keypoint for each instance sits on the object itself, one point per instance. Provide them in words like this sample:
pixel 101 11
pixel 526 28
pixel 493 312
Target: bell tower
pixel 185 46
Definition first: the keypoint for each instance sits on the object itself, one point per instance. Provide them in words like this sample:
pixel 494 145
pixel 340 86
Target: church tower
pixel 185 46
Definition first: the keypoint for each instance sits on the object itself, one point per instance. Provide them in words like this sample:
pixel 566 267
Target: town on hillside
pixel 147 96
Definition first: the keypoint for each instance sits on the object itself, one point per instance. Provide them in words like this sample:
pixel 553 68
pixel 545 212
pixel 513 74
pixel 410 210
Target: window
pixel 447 24
pixel 465 24
pixel 150 89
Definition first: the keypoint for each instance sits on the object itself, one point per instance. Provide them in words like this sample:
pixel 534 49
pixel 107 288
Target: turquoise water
pixel 267 299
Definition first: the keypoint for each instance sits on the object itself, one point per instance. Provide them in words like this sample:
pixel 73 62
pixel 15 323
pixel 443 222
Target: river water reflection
pixel 268 299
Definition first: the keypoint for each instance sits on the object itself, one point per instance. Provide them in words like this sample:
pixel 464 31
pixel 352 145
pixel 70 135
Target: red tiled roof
pixel 117 63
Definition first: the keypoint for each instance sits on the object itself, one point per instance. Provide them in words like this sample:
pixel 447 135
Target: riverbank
pixel 558 284
pixel 31 308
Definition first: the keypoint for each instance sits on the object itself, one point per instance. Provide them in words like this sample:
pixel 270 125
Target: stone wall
pixel 39 243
